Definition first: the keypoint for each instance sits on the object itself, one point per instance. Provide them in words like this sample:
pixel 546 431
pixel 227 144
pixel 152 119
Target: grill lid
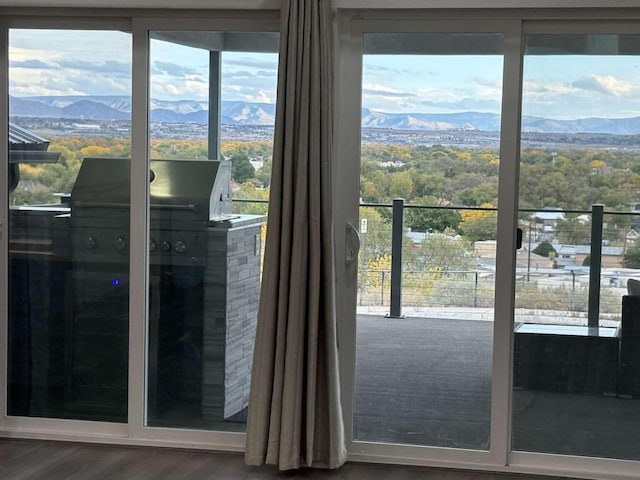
pixel 199 188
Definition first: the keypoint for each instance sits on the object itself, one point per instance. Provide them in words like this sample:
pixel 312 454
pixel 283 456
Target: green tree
pixel 241 168
pixel 573 231
pixel 250 192
pixel 264 174
pixel 376 242
pixel 477 195
pixel 476 229
pixel 443 252
pixel 431 219
pixel 401 185
pixel 544 248
pixel 632 258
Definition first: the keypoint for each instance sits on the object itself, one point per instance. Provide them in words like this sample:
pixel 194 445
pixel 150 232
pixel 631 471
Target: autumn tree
pixel 479 224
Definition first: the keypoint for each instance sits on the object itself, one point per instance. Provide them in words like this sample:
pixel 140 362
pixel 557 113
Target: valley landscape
pixel 110 115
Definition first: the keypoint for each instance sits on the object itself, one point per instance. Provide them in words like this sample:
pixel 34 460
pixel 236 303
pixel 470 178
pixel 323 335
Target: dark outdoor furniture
pixel 629 383
pixel 566 358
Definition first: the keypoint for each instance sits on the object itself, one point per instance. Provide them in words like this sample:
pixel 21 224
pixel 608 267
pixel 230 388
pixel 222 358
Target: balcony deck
pixel 427 381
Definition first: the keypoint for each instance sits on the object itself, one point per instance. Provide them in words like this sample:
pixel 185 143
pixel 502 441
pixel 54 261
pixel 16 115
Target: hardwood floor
pixel 33 460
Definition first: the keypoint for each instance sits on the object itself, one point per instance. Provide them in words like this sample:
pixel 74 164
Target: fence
pixel 454 277
pixel 557 293
pixel 579 281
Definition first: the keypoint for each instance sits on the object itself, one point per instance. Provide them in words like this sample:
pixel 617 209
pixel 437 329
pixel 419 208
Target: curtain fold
pixel 295 416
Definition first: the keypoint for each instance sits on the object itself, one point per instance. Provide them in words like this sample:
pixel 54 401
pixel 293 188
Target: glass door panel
pixel 69 143
pixel 212 112
pixel 430 136
pixel 576 363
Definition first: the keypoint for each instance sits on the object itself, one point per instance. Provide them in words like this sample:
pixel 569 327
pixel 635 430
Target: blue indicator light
pixel 115 282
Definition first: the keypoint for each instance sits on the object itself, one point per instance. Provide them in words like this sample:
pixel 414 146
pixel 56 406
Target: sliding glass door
pixel 68 322
pixel 212 112
pixel 494 208
pixel 576 363
pixel 133 275
pixel 430 126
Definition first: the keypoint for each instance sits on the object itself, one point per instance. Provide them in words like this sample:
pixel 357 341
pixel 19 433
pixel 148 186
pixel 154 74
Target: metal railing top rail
pixel 440 207
pixel 250 200
pixel 495 209
pixel 449 207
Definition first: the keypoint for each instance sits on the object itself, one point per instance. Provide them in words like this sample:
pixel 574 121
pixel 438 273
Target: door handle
pixel 352 244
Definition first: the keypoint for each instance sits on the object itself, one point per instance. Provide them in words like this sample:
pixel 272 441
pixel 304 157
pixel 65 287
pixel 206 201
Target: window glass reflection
pixel 69 132
pixel 211 112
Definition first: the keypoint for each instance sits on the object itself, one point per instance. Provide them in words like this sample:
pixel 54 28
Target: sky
pixel 555 86
pixel 48 62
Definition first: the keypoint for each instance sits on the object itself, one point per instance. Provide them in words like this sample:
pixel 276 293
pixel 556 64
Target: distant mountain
pixel 92 107
pixel 490 122
pixel 113 107
pixel 34 108
pixel 431 121
pixel 164 115
pixel 86 109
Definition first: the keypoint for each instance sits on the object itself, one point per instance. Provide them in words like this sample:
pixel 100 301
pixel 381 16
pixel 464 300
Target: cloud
pixel 108 67
pixel 399 71
pixel 249 94
pixel 28 89
pixel 387 93
pixel 169 88
pixel 253 62
pixel 31 64
pixel 608 85
pixel 244 74
pixel 546 88
pixel 489 83
pixel 173 69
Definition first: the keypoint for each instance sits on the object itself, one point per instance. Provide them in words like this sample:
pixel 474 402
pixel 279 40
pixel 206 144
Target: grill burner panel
pixel 166 247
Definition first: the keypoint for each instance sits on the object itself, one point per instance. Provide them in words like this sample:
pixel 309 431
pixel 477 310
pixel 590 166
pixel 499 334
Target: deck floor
pixel 423 381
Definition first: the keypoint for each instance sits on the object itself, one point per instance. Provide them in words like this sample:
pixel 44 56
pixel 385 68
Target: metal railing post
pixel 475 292
pixel 597 218
pixel 397 232
pixel 573 291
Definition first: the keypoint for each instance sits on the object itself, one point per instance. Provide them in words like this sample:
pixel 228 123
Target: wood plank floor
pixel 33 460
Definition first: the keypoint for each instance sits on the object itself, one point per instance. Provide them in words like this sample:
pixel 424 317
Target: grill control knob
pixel 166 246
pixel 180 247
pixel 89 243
pixel 120 244
pixel 152 245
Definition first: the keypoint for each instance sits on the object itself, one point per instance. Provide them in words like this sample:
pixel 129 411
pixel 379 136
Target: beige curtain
pixel 295 417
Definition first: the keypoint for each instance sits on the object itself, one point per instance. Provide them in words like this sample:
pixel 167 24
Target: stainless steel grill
pixel 185 197
pixel 204 282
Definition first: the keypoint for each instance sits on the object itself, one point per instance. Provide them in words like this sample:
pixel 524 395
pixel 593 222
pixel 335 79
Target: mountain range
pixel 119 108
pixel 245 113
